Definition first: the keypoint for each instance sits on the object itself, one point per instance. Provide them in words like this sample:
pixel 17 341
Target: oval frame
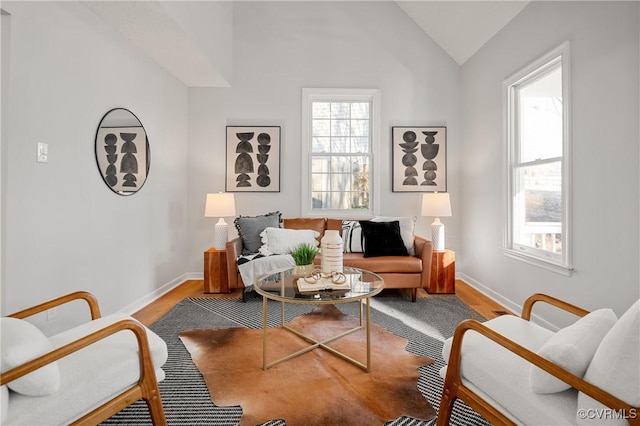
pixel 122 161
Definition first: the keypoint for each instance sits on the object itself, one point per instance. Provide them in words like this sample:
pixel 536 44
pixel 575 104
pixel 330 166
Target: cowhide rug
pixel 316 388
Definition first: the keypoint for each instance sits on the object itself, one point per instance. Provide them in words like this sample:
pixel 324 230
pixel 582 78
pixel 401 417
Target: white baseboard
pixel 507 303
pixel 151 297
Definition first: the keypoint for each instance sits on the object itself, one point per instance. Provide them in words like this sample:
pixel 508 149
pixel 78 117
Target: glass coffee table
pixel 356 285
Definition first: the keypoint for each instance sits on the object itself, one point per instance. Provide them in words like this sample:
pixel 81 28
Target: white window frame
pixel 560 263
pixel 310 95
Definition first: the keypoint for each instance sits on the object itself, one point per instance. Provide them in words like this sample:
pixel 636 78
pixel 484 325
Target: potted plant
pixel 303 256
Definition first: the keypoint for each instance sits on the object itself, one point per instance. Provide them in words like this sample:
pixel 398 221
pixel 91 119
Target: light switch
pixel 43 152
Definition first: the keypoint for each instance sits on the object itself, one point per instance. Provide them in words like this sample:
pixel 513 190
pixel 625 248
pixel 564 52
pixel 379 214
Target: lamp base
pixel 220 235
pixel 437 235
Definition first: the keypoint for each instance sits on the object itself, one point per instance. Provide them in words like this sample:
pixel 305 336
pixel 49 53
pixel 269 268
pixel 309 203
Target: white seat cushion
pixel 501 376
pixel 89 377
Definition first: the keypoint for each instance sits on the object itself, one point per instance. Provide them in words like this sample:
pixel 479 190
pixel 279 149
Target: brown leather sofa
pixel 410 272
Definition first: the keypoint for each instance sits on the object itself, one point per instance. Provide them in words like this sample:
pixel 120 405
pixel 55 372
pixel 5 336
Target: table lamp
pixel 436 204
pixel 220 205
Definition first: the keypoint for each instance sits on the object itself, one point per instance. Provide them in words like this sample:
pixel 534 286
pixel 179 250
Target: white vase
pixel 332 248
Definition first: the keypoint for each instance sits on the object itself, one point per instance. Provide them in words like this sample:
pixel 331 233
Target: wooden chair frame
pixel 454 388
pixel 147 386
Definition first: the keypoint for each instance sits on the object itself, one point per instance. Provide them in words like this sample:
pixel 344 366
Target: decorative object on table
pixel 419 159
pixel 253 159
pixel 332 251
pixel 303 256
pixel 318 281
pixel 436 205
pixel 122 151
pixel 220 205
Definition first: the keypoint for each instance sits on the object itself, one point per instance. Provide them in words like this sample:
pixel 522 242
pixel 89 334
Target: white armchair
pixel 80 376
pixel 513 371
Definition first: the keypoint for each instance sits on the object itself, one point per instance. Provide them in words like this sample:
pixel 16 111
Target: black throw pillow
pixel 382 239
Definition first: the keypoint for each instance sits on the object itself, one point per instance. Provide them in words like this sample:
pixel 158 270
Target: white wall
pixel 282 47
pixel 604 39
pixel 65 230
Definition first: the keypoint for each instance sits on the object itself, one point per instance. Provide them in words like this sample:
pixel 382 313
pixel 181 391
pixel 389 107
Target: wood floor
pixel 194 288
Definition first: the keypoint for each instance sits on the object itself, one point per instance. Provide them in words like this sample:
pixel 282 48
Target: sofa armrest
pixel 454 381
pixel 234 249
pixel 539 297
pixel 88 297
pixel 424 250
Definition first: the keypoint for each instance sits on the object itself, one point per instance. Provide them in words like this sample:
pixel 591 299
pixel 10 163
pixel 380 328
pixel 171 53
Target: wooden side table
pixel 215 271
pixel 443 272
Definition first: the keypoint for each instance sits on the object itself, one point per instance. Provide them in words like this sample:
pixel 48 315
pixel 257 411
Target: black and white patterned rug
pixel 425 324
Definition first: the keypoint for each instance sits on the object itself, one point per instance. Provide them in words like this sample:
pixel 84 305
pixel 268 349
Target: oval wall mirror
pixel 122 151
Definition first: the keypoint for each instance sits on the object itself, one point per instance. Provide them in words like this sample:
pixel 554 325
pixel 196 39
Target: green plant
pixel 304 254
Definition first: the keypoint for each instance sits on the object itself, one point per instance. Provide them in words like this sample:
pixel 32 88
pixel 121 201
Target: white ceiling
pixel 459 27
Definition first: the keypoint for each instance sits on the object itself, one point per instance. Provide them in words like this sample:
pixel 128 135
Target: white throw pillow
pixel 22 341
pixel 284 241
pixel 572 348
pixel 352 236
pixel 614 368
pixel 407 229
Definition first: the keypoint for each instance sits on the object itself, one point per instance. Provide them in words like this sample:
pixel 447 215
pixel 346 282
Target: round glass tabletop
pixel 284 285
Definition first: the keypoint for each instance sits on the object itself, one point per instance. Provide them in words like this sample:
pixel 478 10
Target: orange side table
pixel 443 272
pixel 215 271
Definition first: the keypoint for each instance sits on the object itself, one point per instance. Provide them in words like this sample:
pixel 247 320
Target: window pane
pixel 319 200
pixel 360 110
pixel 320 164
pixel 340 164
pixel 540 118
pixel 360 127
pixel 340 182
pixel 340 110
pixel 321 128
pixel 360 200
pixel 340 128
pixel 320 182
pixel 340 145
pixel 321 109
pixel 320 144
pixel 538 207
pixel 339 200
pixel 360 145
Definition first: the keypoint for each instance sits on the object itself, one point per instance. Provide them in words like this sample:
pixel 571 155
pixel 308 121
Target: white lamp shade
pixel 436 204
pixel 220 205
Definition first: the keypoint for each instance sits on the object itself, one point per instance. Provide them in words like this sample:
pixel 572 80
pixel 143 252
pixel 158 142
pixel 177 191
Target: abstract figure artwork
pixel 122 151
pixel 253 159
pixel 419 159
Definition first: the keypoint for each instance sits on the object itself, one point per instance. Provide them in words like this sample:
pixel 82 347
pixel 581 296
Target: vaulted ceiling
pixel 159 29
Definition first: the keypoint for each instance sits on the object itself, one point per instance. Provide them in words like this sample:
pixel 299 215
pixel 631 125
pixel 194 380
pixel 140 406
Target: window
pixel 538 162
pixel 337 154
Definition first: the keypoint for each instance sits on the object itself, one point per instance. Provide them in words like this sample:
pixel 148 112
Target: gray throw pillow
pixel 250 227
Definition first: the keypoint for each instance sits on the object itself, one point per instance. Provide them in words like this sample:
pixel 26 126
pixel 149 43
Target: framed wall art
pixel 122 151
pixel 253 159
pixel 419 161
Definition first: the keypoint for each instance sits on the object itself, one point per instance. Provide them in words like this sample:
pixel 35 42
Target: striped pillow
pixel 352 236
